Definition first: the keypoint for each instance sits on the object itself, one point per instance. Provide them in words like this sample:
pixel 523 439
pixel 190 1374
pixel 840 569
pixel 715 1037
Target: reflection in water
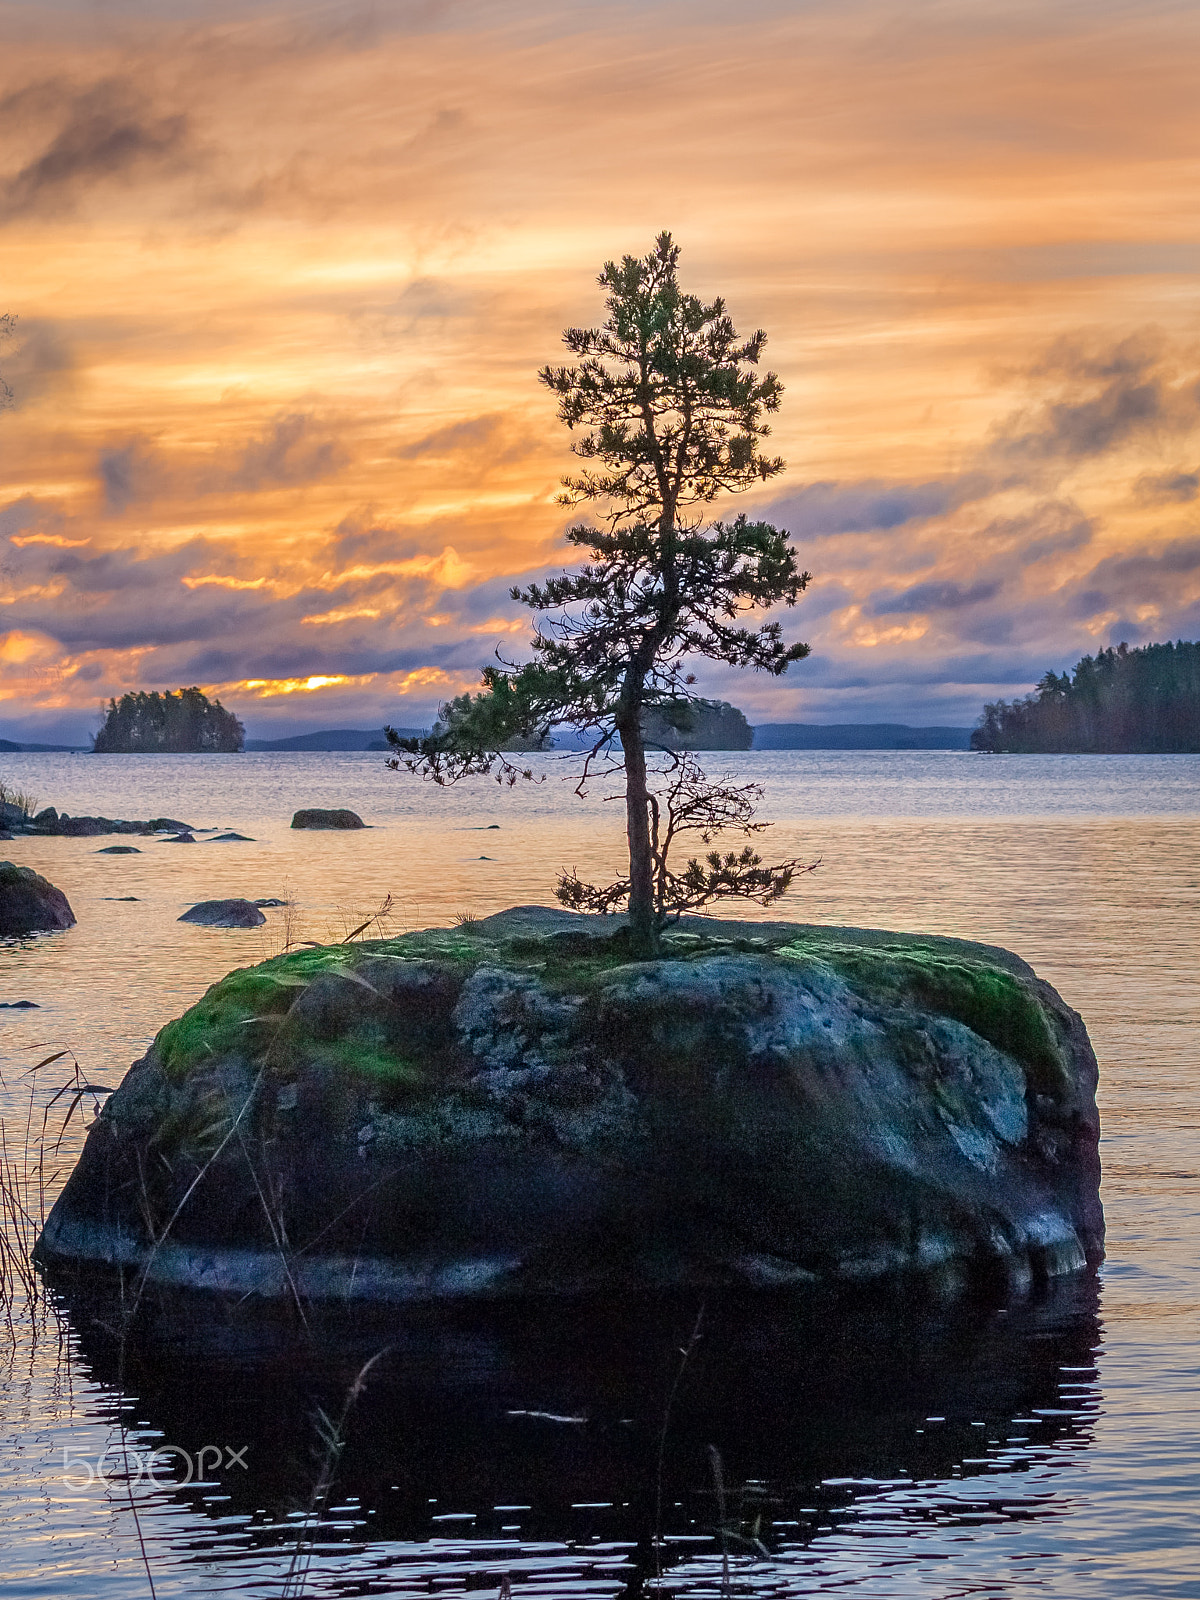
pixel 1085 865
pixel 529 1440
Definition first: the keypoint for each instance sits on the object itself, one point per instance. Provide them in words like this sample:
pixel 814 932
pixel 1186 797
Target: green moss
pixel 364 1054
pixel 999 1006
pixel 239 1015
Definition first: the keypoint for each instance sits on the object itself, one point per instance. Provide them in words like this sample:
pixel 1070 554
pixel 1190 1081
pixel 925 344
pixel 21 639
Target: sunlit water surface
pixel 883 1451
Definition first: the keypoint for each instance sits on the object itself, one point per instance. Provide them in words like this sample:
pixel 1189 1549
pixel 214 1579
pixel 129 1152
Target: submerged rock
pixel 118 850
pixel 313 817
pixel 225 914
pixel 516 1108
pixel 30 903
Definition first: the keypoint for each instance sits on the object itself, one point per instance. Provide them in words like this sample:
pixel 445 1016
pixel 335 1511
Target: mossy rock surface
pixel 515 1107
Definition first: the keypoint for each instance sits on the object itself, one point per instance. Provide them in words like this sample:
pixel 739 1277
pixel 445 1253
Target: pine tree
pixel 670 413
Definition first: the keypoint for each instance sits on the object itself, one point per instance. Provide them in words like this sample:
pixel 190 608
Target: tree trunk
pixel 643 924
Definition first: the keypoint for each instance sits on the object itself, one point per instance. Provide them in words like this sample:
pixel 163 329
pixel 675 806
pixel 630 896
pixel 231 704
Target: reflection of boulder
pixel 314 817
pixel 560 1403
pixel 29 903
pixel 518 1109
pixel 225 914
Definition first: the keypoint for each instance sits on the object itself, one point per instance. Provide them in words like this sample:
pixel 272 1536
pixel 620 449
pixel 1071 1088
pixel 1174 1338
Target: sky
pixel 283 276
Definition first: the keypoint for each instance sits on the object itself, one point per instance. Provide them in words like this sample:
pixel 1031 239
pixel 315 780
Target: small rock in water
pixel 180 838
pixel 270 901
pixel 225 914
pixel 121 897
pixel 19 1005
pixel 119 850
pixel 30 904
pixel 314 817
pixel 230 838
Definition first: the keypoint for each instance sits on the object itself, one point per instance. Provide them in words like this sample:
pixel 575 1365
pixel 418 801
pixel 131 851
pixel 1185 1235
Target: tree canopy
pixel 182 722
pixel 670 413
pixel 1119 701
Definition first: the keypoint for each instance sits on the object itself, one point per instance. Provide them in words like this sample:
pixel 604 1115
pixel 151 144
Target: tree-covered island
pixel 182 722
pixel 1117 702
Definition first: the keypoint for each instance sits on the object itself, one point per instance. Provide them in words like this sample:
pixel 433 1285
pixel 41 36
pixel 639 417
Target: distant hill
pixel 857 736
pixel 9 747
pixel 334 739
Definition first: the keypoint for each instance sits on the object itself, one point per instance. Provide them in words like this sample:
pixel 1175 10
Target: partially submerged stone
pixel 225 914
pixel 50 821
pixel 514 1107
pixel 315 817
pixel 30 903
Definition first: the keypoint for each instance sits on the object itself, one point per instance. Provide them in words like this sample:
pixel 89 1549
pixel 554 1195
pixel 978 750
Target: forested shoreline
pixel 1117 702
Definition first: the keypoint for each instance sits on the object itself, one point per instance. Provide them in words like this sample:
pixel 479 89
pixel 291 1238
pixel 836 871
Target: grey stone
pixel 225 914
pixel 314 817
pixel 512 1108
pixel 29 903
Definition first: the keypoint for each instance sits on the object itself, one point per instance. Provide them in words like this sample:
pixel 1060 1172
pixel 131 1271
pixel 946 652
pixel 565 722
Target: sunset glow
pixel 284 276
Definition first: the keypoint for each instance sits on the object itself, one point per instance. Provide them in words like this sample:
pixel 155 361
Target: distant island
pixel 703 725
pixel 176 723
pixel 1118 702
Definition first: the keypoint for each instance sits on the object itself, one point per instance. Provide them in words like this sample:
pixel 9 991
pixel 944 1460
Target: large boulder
pixel 30 903
pixel 314 817
pixel 225 914
pixel 517 1108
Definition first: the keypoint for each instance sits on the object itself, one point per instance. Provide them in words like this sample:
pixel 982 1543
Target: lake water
pixel 880 1449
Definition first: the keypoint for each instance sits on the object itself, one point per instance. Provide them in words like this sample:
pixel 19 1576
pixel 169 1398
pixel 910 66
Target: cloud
pixel 1140 576
pixel 1108 396
pixel 931 596
pixel 872 504
pixel 1166 488
pixel 134 472
pixel 295 448
pixel 490 434
pixel 356 542
pixel 1050 528
pixel 36 358
pixel 107 132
